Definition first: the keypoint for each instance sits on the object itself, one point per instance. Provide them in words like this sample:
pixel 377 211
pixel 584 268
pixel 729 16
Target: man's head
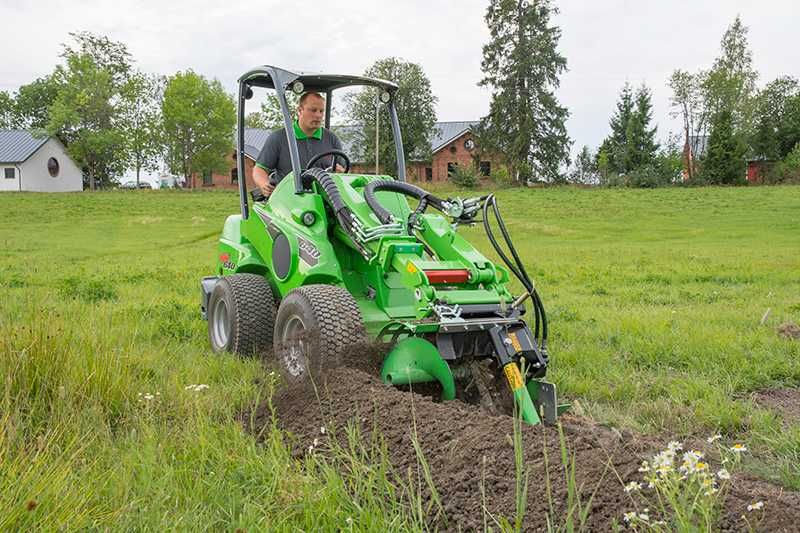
pixel 310 111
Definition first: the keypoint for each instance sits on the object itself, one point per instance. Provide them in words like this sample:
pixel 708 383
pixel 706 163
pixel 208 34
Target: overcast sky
pixel 606 43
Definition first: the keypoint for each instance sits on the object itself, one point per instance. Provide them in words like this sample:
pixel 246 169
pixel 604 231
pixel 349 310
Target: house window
pixel 207 178
pixel 234 175
pixel 53 167
pixel 485 168
pixel 10 173
pixel 428 174
pixel 451 167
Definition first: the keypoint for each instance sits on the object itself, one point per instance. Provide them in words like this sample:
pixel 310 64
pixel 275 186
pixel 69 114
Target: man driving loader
pixel 312 139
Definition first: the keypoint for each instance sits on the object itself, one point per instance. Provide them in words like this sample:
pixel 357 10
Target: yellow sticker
pixel 515 342
pixel 411 268
pixel 513 376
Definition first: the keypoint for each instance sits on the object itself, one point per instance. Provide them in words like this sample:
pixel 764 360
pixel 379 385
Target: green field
pixel 657 302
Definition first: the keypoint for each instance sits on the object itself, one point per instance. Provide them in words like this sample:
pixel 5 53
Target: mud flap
pixel 545 398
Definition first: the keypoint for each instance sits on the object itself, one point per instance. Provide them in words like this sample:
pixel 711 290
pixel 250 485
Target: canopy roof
pixel 269 77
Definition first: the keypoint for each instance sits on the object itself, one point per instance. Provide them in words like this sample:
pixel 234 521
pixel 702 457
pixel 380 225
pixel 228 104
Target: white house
pixel 29 163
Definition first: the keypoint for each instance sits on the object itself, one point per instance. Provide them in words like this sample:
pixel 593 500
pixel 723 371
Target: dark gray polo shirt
pixel 275 153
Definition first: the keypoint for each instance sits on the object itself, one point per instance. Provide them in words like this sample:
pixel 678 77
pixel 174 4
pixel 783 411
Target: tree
pixel 415 106
pixel 616 144
pixel 140 118
pixel 632 141
pixel 7 115
pixel 270 116
pixel 789 126
pixel 34 100
pixel 730 85
pixel 687 99
pixel 585 168
pixel 86 113
pixel 723 165
pixel 521 66
pixel 641 147
pixel 771 117
pixel 199 118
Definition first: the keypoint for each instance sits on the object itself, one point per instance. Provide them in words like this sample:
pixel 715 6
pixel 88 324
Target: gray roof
pixel 445 132
pixel 18 145
pixel 254 140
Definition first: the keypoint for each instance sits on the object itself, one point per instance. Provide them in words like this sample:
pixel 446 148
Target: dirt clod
pixel 790 330
pixel 468 450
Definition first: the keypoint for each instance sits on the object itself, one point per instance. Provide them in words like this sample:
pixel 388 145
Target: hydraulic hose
pixel 381 212
pixel 344 215
pixel 516 267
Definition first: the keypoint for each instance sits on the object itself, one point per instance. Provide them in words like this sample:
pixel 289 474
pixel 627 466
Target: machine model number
pixel 309 253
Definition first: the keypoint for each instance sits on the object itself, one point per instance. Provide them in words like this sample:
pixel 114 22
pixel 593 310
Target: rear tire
pixel 241 315
pixel 315 329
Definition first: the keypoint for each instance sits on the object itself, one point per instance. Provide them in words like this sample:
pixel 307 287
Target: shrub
pixel 465 177
pixel 788 170
pixel 502 177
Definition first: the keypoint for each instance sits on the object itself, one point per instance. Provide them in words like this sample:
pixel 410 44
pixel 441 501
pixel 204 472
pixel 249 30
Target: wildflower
pixel 674 446
pixel 196 388
pixel 644 517
pixel 723 474
pixel 755 506
pixel 738 448
pixel 645 467
pixel 316 443
pixel 311 448
pixel 322 430
pixel 628 517
pixel 710 492
pixel 633 486
pixel 714 438
pixel 692 463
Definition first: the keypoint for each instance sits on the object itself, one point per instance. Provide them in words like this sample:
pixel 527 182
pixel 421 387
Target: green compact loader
pixel 333 262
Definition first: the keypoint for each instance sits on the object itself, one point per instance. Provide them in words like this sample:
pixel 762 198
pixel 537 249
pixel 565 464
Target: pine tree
pixel 521 65
pixel 723 164
pixel 641 145
pixel 631 144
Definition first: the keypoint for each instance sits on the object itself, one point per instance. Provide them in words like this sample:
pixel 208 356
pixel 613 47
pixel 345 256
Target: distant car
pixel 132 185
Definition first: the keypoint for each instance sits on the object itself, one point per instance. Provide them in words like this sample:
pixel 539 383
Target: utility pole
pixel 377 131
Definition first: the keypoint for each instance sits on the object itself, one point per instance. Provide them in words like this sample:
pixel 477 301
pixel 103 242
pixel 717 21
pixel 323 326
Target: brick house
pixel 452 145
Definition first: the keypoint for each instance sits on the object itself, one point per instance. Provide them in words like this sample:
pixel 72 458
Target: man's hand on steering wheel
pixel 335 154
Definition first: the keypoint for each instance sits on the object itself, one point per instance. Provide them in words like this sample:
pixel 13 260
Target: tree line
pixel 113 117
pixel 726 120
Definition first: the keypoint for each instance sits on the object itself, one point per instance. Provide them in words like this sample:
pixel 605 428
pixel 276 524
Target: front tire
pixel 316 327
pixel 241 315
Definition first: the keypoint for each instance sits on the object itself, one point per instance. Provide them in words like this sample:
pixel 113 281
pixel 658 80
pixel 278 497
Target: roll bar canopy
pixel 281 80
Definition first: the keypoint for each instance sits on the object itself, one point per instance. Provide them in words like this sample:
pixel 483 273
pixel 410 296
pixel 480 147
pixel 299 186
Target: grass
pixel 655 299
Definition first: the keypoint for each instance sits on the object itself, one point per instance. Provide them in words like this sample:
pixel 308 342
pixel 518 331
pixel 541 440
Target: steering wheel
pixel 334 154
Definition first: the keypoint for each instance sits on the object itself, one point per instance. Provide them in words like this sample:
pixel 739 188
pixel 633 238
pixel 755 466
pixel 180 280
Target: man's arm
pixel 261 179
pixel 267 161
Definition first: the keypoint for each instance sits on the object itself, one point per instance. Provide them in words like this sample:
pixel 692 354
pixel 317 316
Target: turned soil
pixel 786 402
pixel 471 456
